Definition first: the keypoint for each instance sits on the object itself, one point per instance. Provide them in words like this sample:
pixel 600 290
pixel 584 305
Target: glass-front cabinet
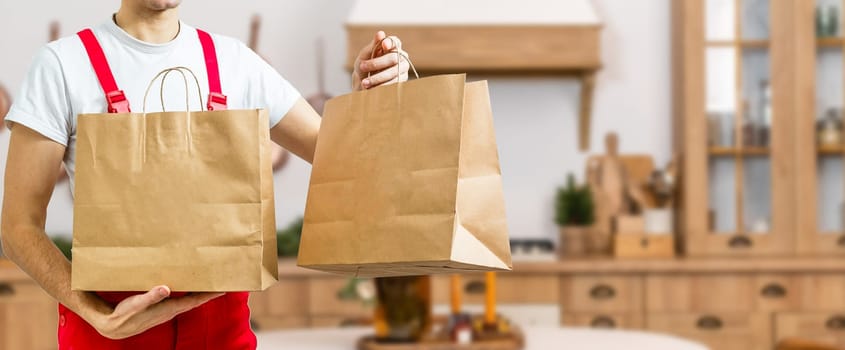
pixel 733 111
pixel 821 229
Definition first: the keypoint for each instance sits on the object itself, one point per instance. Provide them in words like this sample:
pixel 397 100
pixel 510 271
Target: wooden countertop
pixel 686 265
pixel 599 265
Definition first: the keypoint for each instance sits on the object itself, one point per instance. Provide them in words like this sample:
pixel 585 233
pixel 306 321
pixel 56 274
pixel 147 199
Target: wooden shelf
pixel 500 39
pixel 734 151
pixel 746 44
pixel 830 42
pixel 831 150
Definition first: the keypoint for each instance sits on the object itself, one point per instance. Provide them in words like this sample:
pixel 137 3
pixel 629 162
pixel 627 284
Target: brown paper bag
pixel 183 199
pixel 406 181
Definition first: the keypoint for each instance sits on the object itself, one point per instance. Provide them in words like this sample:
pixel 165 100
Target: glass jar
pixel 403 310
pixel 830 129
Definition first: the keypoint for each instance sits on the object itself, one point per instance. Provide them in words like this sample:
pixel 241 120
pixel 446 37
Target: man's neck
pixel 156 27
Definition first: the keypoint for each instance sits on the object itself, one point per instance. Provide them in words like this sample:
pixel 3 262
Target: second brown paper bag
pixel 406 181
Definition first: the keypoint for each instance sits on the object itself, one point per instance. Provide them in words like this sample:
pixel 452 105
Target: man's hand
pixel 385 67
pixel 141 312
pixel 297 132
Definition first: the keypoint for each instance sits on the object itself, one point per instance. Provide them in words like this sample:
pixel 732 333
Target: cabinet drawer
pixel 23 291
pixel 28 317
pixel 822 292
pixel 525 289
pixel 824 327
pixel 722 331
pixel 611 293
pixel 776 292
pixel 323 299
pixel 288 297
pixel 603 320
pixel 693 293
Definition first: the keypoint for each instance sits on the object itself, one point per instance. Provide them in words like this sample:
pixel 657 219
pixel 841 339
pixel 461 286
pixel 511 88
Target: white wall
pixel 535 117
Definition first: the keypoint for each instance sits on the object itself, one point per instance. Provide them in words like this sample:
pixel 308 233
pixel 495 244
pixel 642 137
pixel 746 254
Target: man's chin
pixel 161 5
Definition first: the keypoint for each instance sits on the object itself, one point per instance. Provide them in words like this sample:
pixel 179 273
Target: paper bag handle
pixel 399 55
pixel 165 72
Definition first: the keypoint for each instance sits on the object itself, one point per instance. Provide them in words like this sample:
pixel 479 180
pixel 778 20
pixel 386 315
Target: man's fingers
pixel 367 50
pixel 385 75
pixel 392 42
pixel 379 63
pixel 140 302
pixel 154 296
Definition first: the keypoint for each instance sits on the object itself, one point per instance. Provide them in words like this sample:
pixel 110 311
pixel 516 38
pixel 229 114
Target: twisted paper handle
pixel 399 53
pixel 165 72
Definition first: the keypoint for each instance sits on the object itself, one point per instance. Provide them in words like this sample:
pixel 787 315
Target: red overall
pixel 222 323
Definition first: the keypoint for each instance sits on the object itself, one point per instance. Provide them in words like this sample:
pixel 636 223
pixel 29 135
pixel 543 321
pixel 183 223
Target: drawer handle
pixel 6 290
pixel 710 323
pixel 773 290
pixel 836 323
pixel 602 292
pixel 475 287
pixel 603 322
pixel 841 241
pixel 254 325
pixel 740 242
pixel 351 322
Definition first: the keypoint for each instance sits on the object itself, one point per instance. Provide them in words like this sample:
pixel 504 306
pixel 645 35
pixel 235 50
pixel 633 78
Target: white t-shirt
pixel 61 82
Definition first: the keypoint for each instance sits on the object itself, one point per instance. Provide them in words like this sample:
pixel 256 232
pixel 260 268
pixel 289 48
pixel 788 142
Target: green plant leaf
pixel 287 240
pixel 574 204
pixel 63 244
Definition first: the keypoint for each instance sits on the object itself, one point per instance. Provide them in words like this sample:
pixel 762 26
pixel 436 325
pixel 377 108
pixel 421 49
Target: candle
pixel 490 298
pixel 456 294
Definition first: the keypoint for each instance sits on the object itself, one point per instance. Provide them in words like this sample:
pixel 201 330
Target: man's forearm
pixel 298 129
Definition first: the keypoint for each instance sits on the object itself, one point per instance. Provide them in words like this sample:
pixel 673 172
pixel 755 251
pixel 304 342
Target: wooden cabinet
pixel 604 320
pixel 28 317
pixel 824 291
pixel 759 92
pixel 735 106
pixel 510 288
pixel 323 299
pixel 699 292
pixel 824 327
pixel 819 164
pixel 280 306
pixel 776 292
pixel 726 303
pixel 603 293
pixel 718 330
pixel 306 300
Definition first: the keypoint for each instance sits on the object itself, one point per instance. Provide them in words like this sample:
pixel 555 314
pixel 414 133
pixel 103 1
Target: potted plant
pixel 574 216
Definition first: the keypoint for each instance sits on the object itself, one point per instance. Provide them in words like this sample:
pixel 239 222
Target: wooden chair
pixel 803 344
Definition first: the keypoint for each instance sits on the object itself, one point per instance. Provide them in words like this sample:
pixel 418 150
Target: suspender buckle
pixel 216 101
pixel 117 102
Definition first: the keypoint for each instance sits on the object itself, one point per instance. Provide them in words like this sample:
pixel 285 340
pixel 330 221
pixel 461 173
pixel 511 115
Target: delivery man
pixel 107 68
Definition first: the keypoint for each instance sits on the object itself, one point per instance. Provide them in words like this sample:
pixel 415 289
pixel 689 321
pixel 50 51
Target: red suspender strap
pixel 216 99
pixel 114 97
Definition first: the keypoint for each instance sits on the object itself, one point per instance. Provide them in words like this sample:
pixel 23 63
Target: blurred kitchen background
pixel 672 170
pixel 536 116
